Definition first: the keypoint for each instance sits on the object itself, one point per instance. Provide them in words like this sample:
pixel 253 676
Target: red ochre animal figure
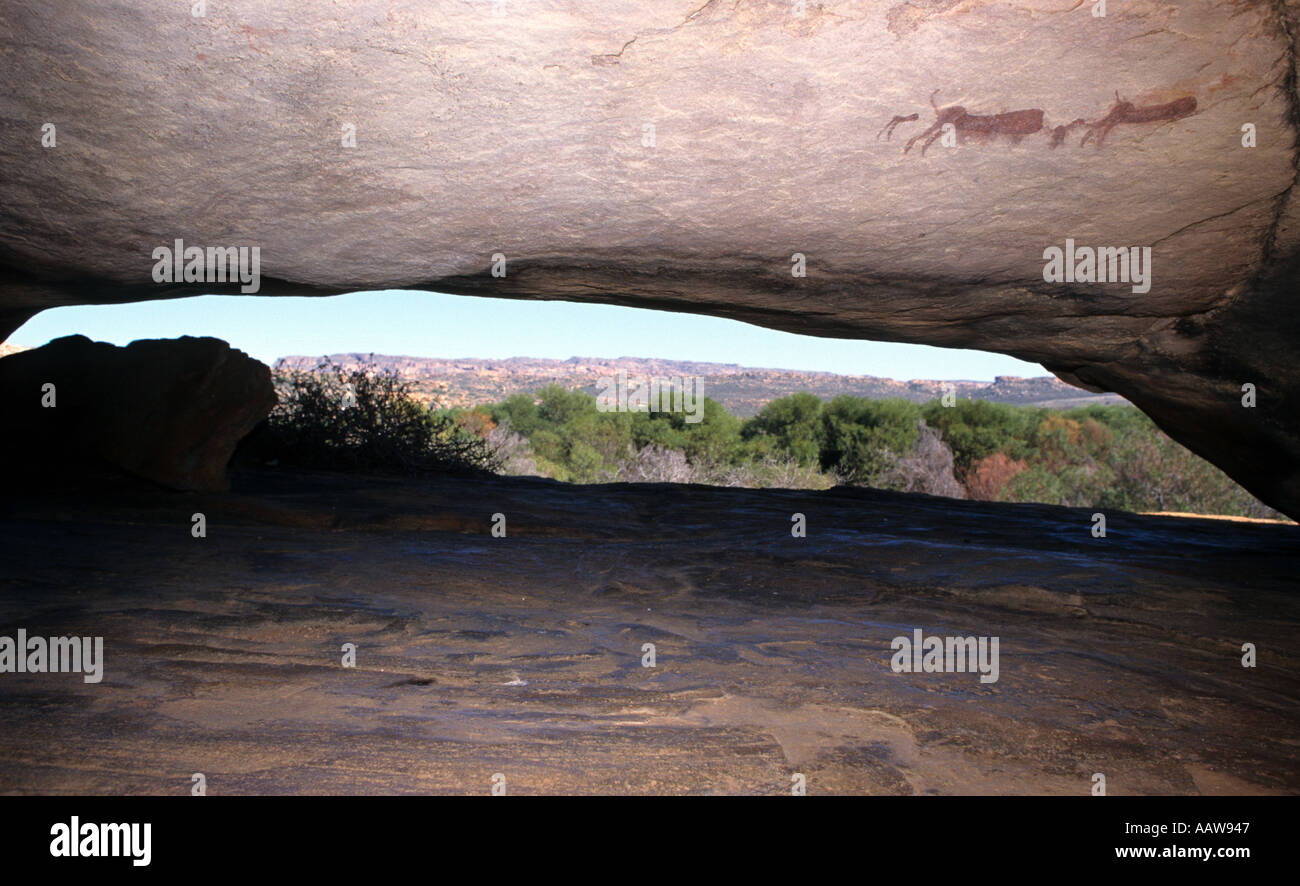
pixel 1016 124
pixel 1127 112
pixel 1060 132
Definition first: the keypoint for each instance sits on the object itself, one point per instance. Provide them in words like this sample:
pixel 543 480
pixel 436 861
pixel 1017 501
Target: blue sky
pixel 426 324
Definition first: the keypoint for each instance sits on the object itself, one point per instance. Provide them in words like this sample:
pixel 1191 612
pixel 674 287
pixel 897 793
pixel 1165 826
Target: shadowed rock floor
pixel 522 655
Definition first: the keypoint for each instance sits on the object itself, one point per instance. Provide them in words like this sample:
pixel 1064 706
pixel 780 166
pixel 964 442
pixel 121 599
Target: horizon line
pixel 1046 375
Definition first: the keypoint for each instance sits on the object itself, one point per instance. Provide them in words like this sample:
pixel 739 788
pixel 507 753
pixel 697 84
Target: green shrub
pixel 863 436
pixel 791 425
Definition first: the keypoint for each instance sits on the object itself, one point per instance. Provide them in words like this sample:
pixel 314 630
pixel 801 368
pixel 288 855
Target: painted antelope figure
pixel 1016 124
pixel 1127 112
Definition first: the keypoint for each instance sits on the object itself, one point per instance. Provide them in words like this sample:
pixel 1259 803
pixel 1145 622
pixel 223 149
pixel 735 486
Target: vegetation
pixel 1095 456
pixel 362 420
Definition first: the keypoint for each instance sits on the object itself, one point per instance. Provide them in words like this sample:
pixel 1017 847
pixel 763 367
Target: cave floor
pixel 522 656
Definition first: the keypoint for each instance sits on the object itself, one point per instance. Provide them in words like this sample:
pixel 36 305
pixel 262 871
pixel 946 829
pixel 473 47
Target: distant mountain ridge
pixel 468 381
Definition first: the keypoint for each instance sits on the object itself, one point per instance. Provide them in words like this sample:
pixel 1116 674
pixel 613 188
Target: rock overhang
pixel 678 158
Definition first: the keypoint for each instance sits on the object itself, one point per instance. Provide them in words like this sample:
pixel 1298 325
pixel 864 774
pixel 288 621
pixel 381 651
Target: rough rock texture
pixel 526 134
pixel 168 410
pixel 523 655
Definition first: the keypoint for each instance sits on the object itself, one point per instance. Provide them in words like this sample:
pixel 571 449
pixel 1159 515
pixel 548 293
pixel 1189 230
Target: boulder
pixel 692 156
pixel 167 410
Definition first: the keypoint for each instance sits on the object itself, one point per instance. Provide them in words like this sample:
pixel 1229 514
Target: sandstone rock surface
pixel 677 155
pixel 170 411
pixel 524 654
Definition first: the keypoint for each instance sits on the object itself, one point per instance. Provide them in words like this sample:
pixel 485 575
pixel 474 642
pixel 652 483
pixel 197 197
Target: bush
pixel 656 464
pixel 862 436
pixel 363 420
pixel 989 478
pixel 514 455
pixel 927 468
pixel 771 472
pixel 793 425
